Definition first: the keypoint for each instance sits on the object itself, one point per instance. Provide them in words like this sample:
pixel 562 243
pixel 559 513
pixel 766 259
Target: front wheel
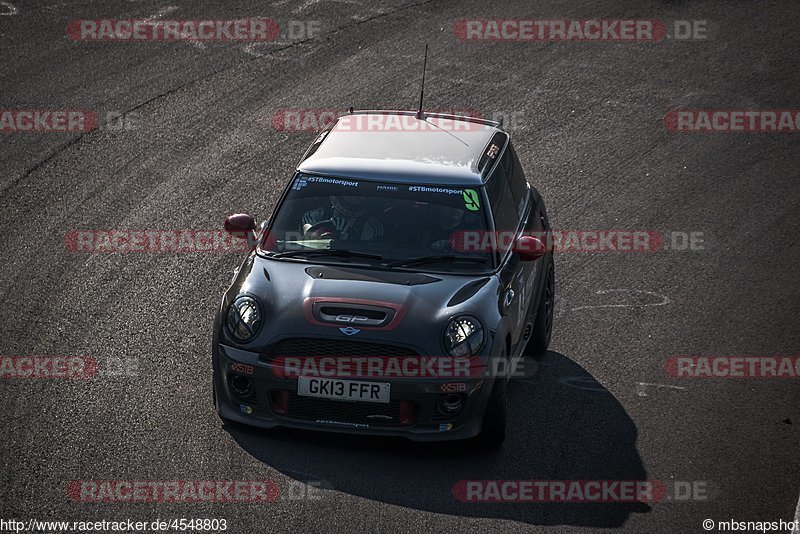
pixel 543 325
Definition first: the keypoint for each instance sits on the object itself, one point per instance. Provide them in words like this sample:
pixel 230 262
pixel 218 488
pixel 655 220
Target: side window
pixel 504 209
pixel 519 185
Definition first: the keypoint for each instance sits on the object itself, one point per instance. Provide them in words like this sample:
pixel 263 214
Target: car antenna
pixel 420 113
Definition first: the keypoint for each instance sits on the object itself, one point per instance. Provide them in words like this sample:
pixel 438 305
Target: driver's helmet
pixel 348 206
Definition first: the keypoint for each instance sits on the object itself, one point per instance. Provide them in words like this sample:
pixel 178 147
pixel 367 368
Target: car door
pixel 531 225
pixel 508 214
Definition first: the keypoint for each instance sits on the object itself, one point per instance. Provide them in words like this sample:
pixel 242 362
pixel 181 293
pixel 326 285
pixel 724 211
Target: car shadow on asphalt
pixel 563 425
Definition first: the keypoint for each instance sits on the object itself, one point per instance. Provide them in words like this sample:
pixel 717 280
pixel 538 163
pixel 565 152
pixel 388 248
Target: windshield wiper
pixel 436 259
pixel 340 252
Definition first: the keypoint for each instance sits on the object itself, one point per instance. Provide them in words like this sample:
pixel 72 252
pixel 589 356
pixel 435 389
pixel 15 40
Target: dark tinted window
pixel 504 208
pixel 519 185
pixel 510 170
pixel 396 221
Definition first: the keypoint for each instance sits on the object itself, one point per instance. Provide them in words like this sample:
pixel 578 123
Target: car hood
pixel 307 300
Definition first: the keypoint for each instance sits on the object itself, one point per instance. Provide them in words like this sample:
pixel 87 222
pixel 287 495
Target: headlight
pixel 463 336
pixel 244 318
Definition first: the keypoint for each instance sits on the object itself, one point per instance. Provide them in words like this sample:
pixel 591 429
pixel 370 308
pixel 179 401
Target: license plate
pixel 328 388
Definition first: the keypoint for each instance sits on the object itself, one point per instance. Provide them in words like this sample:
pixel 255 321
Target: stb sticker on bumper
pixel 352 390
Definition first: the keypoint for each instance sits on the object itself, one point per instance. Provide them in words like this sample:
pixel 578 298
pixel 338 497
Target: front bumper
pixel 272 401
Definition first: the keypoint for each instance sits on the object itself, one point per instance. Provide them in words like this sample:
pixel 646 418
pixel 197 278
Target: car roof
pixel 398 146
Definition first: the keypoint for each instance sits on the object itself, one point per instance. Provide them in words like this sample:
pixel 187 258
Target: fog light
pixel 241 386
pixel 450 404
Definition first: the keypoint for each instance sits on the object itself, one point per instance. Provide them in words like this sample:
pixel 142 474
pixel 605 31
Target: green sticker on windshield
pixel 471 200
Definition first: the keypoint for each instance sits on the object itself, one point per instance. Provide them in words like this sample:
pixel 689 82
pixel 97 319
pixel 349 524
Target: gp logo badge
pixel 351 318
pixel 471 200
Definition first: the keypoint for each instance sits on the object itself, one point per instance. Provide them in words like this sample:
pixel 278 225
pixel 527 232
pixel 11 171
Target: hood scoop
pixel 467 292
pixel 349 312
pixel 361 275
pixel 362 315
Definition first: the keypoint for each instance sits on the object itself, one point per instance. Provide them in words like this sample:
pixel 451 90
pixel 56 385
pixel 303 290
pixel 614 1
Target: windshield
pixel 334 220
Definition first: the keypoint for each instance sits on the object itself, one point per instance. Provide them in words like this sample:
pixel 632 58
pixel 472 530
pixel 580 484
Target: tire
pixel 543 325
pixel 493 429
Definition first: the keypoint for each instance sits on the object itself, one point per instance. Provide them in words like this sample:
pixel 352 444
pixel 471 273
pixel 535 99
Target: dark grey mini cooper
pixel 401 272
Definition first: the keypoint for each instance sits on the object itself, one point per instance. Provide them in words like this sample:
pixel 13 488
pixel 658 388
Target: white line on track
pixel 12 9
pixel 664 300
pixel 165 11
pixel 796 530
pixel 642 386
pixel 252 48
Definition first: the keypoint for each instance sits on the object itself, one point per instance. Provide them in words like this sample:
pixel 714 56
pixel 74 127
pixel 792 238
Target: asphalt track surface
pixel 586 119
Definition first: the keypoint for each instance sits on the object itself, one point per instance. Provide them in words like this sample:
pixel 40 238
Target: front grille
pixel 311 409
pixel 318 348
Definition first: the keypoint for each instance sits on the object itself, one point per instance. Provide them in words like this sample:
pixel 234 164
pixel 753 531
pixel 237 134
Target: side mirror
pixel 241 225
pixel 529 248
